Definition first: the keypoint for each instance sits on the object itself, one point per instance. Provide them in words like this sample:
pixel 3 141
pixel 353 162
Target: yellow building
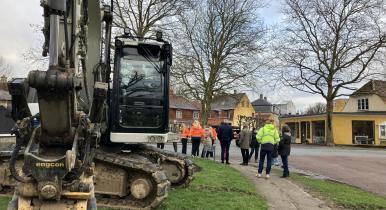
pixel 230 108
pixel 359 120
pixel 340 104
pixel 348 128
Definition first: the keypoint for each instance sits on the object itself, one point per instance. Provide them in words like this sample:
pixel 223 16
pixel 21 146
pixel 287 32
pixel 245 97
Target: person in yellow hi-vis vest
pixel 268 137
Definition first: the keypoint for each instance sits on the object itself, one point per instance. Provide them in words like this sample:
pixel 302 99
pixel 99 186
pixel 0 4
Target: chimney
pixel 234 91
pixel 261 96
pixel 265 98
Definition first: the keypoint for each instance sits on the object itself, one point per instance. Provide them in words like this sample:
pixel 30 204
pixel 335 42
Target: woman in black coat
pixel 254 146
pixel 285 149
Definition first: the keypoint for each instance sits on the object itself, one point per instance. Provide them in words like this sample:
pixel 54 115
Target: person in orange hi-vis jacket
pixel 185 132
pixel 196 132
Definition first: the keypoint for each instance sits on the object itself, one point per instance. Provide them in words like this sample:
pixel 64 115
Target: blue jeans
pixel 264 153
pixel 284 160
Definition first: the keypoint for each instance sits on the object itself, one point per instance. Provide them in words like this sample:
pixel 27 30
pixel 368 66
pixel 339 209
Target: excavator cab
pixel 139 99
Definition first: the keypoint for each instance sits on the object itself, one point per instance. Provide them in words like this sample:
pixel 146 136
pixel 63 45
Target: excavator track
pixel 138 168
pixel 178 168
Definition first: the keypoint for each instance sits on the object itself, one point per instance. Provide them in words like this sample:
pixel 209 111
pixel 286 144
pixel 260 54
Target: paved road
pixel 361 167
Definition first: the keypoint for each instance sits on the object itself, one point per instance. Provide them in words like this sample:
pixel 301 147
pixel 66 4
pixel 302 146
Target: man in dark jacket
pixel 285 149
pixel 225 135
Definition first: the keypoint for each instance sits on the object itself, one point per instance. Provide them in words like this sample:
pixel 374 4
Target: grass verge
pixel 216 186
pixel 340 194
pixel 4 202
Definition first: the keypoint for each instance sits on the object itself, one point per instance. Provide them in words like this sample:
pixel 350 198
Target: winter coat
pixel 268 136
pixel 196 131
pixel 245 138
pixel 214 133
pixel 185 133
pixel 207 140
pixel 254 143
pixel 285 144
pixel 225 133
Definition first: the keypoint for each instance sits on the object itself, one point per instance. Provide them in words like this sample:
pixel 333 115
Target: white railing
pixel 363 140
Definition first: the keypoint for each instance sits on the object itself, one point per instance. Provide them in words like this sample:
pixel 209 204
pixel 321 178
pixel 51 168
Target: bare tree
pixel 329 46
pixel 33 55
pixel 5 68
pixel 218 43
pixel 318 108
pixel 143 16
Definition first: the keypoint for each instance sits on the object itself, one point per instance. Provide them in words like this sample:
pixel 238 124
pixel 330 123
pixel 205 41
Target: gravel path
pixel 282 193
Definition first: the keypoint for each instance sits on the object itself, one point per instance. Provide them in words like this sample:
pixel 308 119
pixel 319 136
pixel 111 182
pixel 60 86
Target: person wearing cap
pixel 268 137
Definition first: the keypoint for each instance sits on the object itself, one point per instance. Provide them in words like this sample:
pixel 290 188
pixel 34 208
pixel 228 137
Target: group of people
pixel 267 141
pixel 207 136
pixel 270 143
pixel 198 134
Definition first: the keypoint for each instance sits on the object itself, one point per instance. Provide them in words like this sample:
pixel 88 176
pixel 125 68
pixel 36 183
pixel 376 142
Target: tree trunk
pixel 206 108
pixel 329 131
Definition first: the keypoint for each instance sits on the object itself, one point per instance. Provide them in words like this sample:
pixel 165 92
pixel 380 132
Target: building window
pixel 179 114
pixel 196 115
pixel 229 114
pixel 382 131
pixel 218 114
pixel 308 130
pixel 363 104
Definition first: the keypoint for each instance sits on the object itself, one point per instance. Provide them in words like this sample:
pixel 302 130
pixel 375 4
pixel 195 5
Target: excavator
pixel 89 145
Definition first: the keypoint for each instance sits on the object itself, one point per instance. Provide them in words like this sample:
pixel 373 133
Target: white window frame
pixel 178 114
pixel 229 113
pixel 196 115
pixel 382 126
pixel 363 104
pixel 218 114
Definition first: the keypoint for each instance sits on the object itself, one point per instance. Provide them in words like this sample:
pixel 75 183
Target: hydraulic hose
pixel 12 166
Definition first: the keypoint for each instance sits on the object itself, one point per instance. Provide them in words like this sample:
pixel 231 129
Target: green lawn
pixel 217 186
pixel 4 202
pixel 341 194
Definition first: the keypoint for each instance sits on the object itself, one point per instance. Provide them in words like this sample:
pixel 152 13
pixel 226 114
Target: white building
pixel 285 108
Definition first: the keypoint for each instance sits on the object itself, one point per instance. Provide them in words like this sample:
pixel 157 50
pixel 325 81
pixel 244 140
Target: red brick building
pixel 182 110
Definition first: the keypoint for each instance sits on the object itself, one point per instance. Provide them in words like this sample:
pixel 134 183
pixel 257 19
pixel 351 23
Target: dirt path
pixel 282 193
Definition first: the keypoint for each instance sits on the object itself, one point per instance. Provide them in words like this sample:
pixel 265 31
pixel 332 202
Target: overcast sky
pixel 16 36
